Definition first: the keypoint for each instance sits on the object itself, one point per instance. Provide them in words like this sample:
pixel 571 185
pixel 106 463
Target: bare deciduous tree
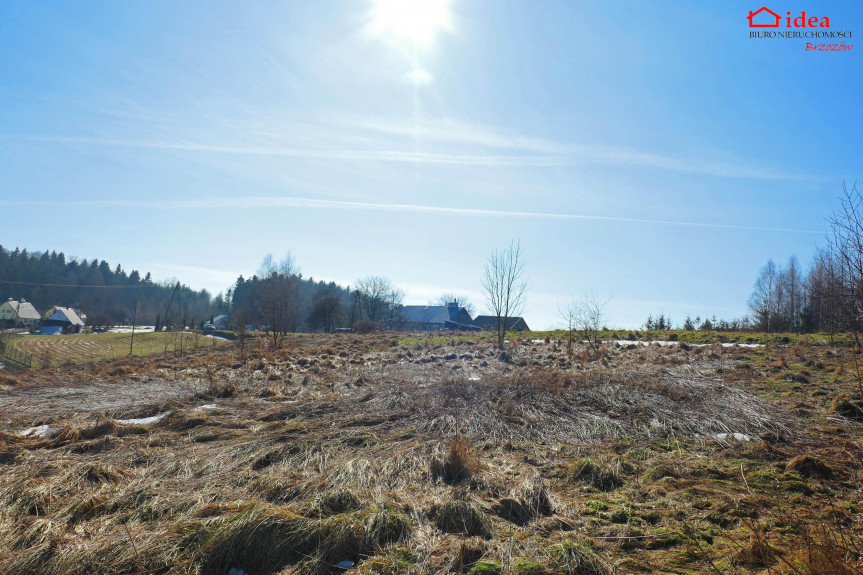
pixel 762 301
pixel 846 246
pixel 379 298
pixel 277 297
pixel 583 318
pixel 505 286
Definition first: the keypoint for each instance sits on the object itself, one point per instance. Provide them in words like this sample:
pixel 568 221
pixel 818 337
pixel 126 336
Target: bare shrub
pixel 583 319
pixel 460 462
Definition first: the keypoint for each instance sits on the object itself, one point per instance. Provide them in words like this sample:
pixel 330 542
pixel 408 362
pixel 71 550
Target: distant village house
pixel 435 317
pixel 18 314
pixel 61 320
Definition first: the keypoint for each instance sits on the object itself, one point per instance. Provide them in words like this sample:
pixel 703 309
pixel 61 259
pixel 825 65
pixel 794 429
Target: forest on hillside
pixel 277 296
pixel 107 295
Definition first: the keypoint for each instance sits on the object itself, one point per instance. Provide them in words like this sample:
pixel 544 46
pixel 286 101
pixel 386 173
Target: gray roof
pixel 25 309
pixel 69 313
pixel 425 313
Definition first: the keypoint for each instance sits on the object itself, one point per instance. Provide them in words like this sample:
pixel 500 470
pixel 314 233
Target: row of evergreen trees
pixel 663 322
pixel 106 295
pixel 277 297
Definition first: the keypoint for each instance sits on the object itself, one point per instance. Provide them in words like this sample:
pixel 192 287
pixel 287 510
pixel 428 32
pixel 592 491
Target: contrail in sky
pixel 311 203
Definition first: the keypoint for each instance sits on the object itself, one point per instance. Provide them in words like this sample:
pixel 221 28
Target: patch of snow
pixel 38 431
pixel 734 436
pixel 473 378
pixel 128 329
pixel 666 343
pixel 645 343
pixel 217 337
pixel 206 407
pixel 142 420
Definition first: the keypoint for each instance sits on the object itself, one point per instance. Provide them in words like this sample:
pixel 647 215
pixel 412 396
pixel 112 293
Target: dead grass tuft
pixel 386 526
pixel 259 539
pixel 601 477
pixel 527 501
pixel 758 553
pixel 337 501
pixel 578 558
pixel 222 390
pixel 844 408
pixel 464 518
pixel 180 420
pixel 809 466
pixel 101 473
pixel 9 380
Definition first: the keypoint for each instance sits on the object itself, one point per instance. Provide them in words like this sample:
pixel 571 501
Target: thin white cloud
pixel 525 152
pixel 451 131
pixel 348 155
pixel 311 203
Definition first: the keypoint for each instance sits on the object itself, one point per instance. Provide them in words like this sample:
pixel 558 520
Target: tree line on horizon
pixel 827 297
pixel 277 298
pixel 108 296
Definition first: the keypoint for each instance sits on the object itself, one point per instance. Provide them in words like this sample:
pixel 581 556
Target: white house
pixel 18 314
pixel 61 320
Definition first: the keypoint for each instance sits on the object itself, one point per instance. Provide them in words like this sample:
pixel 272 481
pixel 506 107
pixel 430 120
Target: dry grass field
pixel 53 350
pixel 427 456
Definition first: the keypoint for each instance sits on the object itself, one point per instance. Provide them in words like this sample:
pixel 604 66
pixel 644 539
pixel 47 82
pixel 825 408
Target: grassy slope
pixel 83 348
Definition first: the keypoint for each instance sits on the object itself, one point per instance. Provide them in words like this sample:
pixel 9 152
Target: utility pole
pixel 134 318
pixel 167 314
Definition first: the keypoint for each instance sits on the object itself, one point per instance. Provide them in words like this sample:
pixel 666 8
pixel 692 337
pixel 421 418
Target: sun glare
pixel 416 21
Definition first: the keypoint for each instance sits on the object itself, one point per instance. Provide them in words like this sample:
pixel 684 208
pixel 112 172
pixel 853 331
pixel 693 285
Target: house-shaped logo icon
pixel 768 16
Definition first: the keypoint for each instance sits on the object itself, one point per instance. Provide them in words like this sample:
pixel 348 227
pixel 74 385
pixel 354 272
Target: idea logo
pixel 764 17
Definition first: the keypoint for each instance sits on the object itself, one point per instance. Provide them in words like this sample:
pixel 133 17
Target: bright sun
pixel 416 21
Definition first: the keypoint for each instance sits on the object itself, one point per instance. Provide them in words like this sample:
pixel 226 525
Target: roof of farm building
pixel 24 309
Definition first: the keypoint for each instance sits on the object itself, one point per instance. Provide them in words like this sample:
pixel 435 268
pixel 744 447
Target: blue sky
pixel 652 153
